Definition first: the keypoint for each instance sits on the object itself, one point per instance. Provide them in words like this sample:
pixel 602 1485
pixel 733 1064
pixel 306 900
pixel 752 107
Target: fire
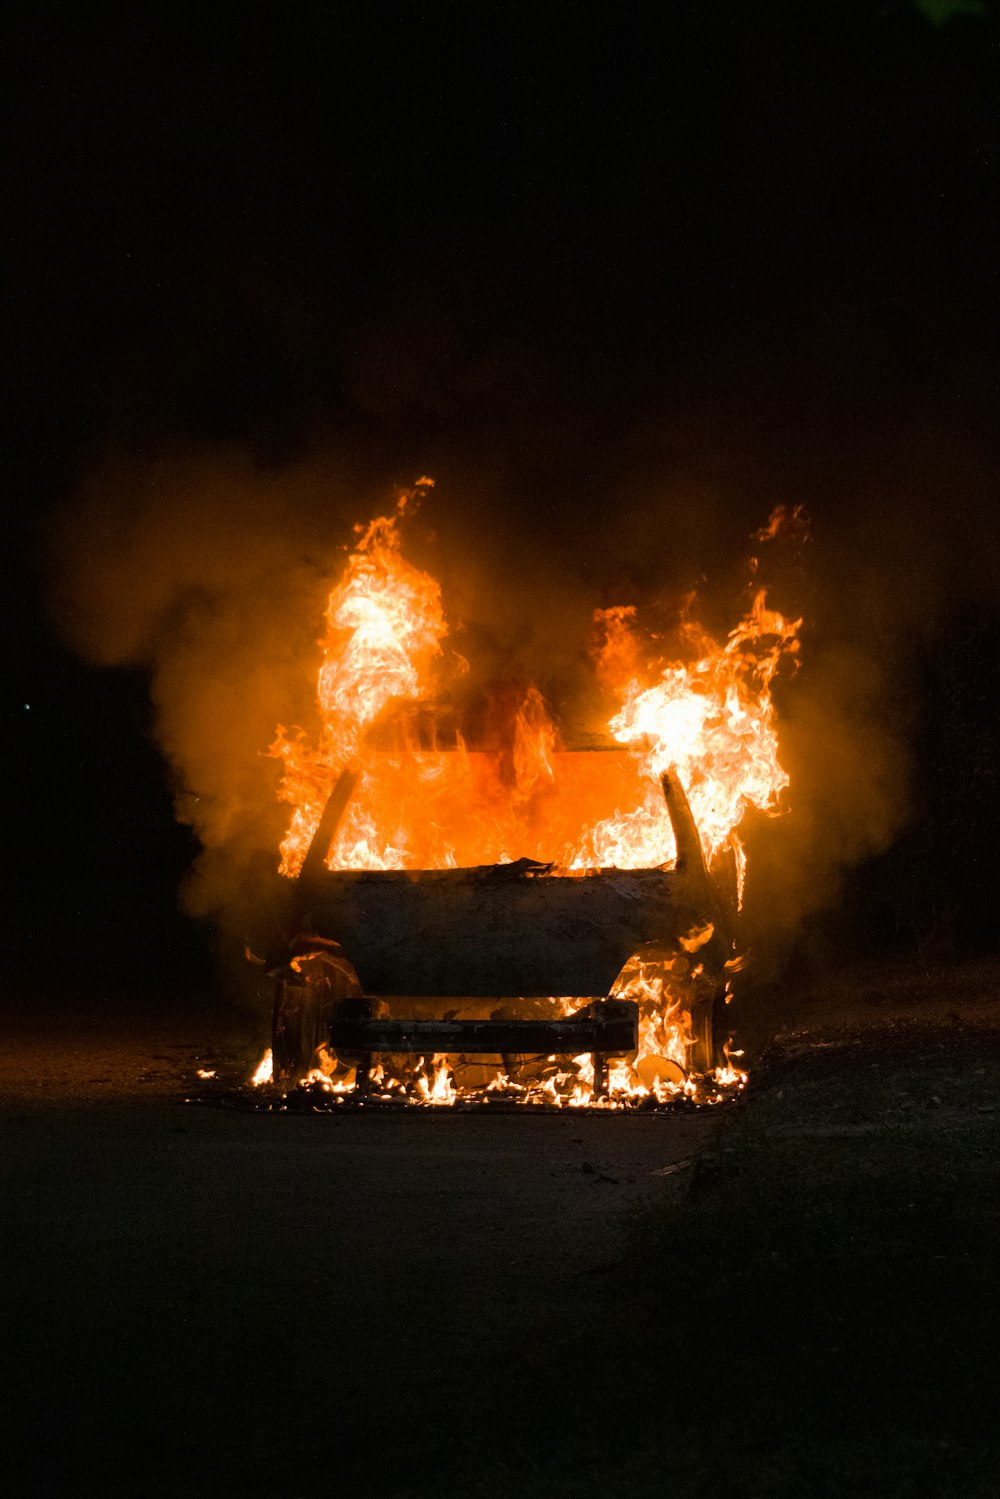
pixel 385 624
pixel 712 719
pixel 440 1088
pixel 264 1070
pixel 703 709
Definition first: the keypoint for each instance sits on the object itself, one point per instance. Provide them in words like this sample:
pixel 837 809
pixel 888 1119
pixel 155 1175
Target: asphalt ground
pixel 206 1300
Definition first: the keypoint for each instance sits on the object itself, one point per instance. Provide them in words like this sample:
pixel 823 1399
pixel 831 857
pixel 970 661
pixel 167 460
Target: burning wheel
pixel 706 1047
pixel 681 1013
pixel 307 992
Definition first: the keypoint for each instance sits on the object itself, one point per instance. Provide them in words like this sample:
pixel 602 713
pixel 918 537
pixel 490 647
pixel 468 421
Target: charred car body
pixel 509 962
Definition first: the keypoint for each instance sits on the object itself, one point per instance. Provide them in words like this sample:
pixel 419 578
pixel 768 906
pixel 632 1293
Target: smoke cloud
pixel 211 573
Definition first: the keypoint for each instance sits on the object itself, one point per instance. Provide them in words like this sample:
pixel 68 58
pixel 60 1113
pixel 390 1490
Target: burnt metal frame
pixel 605 1028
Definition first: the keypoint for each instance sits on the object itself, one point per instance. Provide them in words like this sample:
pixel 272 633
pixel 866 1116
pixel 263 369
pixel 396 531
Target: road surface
pixel 206 1301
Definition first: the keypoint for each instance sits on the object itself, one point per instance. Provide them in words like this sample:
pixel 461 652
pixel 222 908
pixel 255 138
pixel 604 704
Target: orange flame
pixel 385 625
pixel 713 719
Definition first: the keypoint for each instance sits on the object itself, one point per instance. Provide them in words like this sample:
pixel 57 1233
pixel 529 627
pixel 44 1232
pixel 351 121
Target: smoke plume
pixel 211 573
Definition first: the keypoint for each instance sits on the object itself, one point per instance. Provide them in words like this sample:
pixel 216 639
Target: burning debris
pixel 444 892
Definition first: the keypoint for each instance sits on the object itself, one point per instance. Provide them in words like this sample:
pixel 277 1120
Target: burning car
pixel 522 916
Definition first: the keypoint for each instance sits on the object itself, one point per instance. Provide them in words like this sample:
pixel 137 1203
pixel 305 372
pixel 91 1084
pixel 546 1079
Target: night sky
pixel 620 284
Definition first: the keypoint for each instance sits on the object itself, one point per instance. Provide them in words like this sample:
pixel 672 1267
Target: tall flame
pixel 384 627
pixel 712 718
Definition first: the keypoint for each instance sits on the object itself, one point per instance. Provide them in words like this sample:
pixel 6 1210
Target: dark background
pixel 677 262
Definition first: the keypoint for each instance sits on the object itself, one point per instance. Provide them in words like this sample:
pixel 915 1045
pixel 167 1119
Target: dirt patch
pixel 904 1049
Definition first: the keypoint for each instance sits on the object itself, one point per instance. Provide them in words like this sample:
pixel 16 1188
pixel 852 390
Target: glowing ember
pixel 704 710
